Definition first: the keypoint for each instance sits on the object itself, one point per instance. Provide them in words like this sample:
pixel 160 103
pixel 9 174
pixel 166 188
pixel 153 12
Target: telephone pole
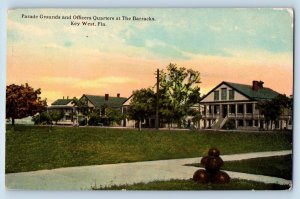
pixel 157 98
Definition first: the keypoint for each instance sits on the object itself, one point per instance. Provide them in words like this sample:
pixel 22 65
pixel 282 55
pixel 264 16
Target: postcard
pixel 149 99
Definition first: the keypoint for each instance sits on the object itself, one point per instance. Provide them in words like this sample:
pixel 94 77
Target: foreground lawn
pixel 277 166
pixel 30 148
pixel 191 185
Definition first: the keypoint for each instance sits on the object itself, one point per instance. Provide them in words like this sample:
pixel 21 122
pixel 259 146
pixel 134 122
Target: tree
pixel 272 109
pixel 94 118
pixel 42 118
pixel 113 115
pixel 179 91
pixel 142 105
pixel 83 109
pixel 23 101
pixel 56 115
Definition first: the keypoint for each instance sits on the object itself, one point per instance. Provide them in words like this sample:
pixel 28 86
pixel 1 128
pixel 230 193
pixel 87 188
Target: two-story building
pixel 72 114
pixel 238 103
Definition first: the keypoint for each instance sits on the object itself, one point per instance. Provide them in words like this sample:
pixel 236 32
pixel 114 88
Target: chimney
pixel 67 97
pixel 106 97
pixel 118 95
pixel 63 97
pixel 256 85
pixel 260 84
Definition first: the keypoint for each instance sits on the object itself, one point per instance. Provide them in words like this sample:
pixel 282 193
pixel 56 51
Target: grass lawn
pixel 191 185
pixel 30 148
pixel 277 166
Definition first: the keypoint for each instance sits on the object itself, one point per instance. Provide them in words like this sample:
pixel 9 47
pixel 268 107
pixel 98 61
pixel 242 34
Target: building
pixel 100 102
pixel 67 109
pixel 72 114
pixel 237 104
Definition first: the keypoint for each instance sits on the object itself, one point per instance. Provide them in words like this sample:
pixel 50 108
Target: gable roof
pixel 61 102
pixel 260 94
pixel 99 101
pixel 246 90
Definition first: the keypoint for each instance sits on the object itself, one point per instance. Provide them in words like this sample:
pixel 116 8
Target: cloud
pixel 88 83
pixel 28 29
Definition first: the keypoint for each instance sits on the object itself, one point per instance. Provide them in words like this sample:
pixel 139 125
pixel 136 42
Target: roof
pixel 99 101
pixel 262 93
pixel 61 102
pixel 246 90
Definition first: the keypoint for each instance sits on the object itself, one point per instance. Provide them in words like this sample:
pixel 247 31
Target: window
pixel 216 95
pixel 223 93
pixel 217 109
pixel 232 108
pixel 231 94
pixel 209 109
pixel 249 108
pixel 240 108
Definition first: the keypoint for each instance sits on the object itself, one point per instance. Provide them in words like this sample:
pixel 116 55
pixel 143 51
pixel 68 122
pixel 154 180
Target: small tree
pixel 272 109
pixel 23 101
pixel 94 118
pixel 83 109
pixel 56 115
pixel 114 116
pixel 42 118
pixel 142 105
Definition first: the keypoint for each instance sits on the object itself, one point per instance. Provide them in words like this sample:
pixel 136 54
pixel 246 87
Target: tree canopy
pixel 142 105
pixel 178 91
pixel 23 101
pixel 272 109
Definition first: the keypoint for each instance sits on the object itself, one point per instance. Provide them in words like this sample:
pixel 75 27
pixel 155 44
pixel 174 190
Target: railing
pixel 223 121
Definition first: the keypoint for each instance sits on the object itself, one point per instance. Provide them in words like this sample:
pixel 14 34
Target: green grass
pixel 277 166
pixel 191 185
pixel 30 148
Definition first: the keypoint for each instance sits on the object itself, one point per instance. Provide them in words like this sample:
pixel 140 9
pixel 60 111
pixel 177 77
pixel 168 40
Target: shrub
pixel 229 125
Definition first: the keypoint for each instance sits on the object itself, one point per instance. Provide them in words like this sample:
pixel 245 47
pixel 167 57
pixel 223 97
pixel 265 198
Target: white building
pixel 238 103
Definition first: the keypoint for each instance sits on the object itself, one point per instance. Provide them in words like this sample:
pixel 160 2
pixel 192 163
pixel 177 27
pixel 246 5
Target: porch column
pixel 236 107
pixel 244 114
pixel 213 110
pixel 253 114
pixel 122 111
pixel 228 110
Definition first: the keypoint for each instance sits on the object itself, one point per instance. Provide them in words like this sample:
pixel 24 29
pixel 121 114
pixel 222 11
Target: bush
pixel 229 125
pixel 94 120
pixel 42 119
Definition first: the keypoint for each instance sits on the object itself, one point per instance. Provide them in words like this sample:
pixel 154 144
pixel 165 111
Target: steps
pixel 220 122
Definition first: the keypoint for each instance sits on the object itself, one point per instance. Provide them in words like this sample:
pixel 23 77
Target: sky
pixel 236 45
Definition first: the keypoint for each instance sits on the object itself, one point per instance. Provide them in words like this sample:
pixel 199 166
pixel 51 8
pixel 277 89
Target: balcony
pixel 233 116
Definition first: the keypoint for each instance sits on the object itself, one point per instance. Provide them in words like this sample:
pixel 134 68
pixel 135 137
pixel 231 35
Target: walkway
pixel 76 178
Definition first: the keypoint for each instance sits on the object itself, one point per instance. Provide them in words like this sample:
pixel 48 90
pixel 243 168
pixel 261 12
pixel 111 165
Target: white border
pixel 6 4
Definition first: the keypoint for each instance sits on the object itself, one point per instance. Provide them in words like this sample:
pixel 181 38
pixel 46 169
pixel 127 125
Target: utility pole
pixel 157 98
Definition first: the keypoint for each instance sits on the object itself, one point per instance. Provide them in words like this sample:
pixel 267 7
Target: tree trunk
pixel 140 125
pixel 12 121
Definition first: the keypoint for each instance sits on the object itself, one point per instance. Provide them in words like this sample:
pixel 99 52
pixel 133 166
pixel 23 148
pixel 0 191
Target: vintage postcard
pixel 149 99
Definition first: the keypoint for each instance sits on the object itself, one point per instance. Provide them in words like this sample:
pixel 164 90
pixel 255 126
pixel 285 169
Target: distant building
pixel 238 103
pixel 68 110
pixel 72 114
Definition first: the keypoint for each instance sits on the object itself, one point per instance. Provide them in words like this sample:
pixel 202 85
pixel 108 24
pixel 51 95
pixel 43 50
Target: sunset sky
pixel 236 45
